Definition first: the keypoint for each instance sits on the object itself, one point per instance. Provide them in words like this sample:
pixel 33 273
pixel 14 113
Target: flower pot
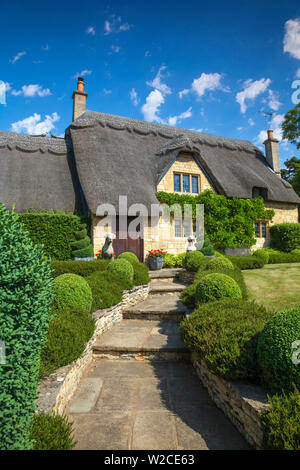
pixel 155 263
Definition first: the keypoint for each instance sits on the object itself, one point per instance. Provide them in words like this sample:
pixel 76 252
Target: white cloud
pixel 173 120
pixel 17 57
pixel 251 91
pixel 30 91
pixel 33 124
pixel 4 87
pixel 82 73
pixel 115 49
pixel 151 108
pixel 115 25
pixel 157 82
pixel 134 97
pixel 273 100
pixel 275 124
pixel 91 30
pixel 107 92
pixel 206 82
pixel 291 42
pixel 251 122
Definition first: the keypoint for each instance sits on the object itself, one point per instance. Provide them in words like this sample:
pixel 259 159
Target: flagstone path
pixel 141 392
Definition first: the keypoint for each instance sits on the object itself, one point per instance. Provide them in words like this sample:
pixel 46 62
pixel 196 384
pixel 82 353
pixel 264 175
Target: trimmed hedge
pixel 216 286
pixel 72 292
pixel 279 258
pixel 193 260
pixel 281 422
pixel 224 333
pixel 25 302
pixel 82 268
pixel 141 274
pixel 263 254
pixel 247 262
pixel 207 249
pixel 275 351
pixel 285 237
pixel 107 288
pixel 54 230
pixel 67 337
pixel 51 432
pixel 122 268
pixel 128 256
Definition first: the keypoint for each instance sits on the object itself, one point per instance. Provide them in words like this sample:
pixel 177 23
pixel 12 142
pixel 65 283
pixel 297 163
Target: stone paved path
pixel 128 399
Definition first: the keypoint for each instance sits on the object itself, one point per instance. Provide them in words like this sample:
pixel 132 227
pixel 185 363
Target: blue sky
pixel 194 64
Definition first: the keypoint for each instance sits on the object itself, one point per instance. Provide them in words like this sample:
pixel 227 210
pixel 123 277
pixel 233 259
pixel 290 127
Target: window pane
pixel 185 183
pixel 257 229
pixel 263 230
pixel 177 225
pixel 177 187
pixel 187 228
pixel 195 184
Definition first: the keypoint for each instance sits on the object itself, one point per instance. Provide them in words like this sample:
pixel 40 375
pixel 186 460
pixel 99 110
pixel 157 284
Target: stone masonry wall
pixel 56 390
pixel 241 403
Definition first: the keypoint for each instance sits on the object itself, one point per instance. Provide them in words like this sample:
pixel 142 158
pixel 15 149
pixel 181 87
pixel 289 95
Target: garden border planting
pixel 57 389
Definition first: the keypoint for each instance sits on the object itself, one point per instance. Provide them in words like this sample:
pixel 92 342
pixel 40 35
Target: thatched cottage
pixel 103 156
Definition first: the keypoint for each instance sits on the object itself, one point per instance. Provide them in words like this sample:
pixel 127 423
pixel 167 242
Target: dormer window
pixel 185 183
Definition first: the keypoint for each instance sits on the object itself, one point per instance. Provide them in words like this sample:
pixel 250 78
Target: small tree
pixel 291 126
pixel 25 301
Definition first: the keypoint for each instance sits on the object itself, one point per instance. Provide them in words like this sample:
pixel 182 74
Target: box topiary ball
pixel 277 344
pixel 217 286
pixel 128 256
pixel 219 263
pixel 72 293
pixel 122 268
pixel 193 260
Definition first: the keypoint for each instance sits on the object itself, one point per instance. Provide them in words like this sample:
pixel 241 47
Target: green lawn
pixel 276 286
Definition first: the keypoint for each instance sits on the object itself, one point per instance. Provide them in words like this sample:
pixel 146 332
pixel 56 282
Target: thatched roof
pixel 37 172
pixel 121 156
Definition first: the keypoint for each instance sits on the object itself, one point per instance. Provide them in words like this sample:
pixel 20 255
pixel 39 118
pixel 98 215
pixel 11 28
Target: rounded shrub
pixel 67 337
pixel 141 274
pixel 296 251
pixel 216 286
pixel 51 432
pixel 122 268
pixel 219 263
pixel 193 260
pixel 275 351
pixel 107 289
pixel 128 256
pixel 224 333
pixel 72 293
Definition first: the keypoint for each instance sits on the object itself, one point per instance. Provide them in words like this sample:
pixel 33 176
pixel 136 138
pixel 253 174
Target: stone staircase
pixel 141 391
pixel 149 329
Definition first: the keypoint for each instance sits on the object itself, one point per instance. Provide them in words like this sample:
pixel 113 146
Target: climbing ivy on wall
pixel 228 222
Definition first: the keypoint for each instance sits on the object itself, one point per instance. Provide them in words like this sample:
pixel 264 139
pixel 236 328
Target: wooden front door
pixel 123 242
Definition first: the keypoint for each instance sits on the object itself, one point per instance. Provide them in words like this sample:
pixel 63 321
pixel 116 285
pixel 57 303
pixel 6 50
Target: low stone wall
pixel 186 277
pixel 242 403
pixel 57 389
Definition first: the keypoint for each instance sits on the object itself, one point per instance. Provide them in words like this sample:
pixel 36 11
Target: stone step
pixel 158 307
pixel 165 287
pixel 165 273
pixel 141 339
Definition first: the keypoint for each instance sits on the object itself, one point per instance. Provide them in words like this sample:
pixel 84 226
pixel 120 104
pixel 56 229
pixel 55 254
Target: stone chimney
pixel 79 99
pixel 272 155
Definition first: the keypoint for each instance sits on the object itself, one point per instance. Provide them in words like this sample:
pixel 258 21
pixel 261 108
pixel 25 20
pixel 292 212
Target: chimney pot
pixel 272 154
pixel 270 134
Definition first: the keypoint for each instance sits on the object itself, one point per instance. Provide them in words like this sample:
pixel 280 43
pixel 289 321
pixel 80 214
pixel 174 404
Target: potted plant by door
pixel 156 259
